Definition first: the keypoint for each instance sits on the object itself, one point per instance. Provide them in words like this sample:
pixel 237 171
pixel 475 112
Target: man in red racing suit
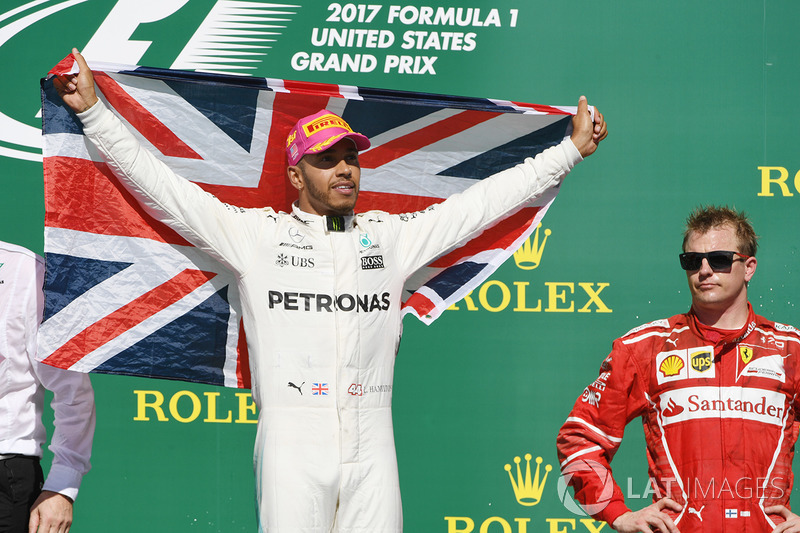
pixel 716 389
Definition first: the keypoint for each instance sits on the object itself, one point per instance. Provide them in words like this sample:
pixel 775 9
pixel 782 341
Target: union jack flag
pixel 319 389
pixel 127 295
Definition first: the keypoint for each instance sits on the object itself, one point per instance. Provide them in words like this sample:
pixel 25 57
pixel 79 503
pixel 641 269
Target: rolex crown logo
pixel 530 253
pixel 528 492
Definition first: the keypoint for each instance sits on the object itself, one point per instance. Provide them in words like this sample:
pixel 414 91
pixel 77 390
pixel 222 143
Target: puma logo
pixel 692 510
pixel 298 387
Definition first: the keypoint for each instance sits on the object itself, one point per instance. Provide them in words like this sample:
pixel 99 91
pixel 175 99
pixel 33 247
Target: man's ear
pixel 295 177
pixel 749 268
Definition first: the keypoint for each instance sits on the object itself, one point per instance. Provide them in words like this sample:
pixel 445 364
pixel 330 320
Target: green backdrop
pixel 700 98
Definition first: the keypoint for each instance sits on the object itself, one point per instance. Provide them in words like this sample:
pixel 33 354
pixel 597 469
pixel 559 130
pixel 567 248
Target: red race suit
pixel 718 409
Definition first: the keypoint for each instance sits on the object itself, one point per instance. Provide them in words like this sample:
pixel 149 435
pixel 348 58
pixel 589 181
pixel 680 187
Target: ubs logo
pixel 297 262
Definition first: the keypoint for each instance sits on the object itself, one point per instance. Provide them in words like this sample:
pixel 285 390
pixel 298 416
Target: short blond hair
pixel 705 218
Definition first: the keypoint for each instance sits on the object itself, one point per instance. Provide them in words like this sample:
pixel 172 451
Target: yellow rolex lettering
pixel 504 291
pixel 594 297
pixel 454 524
pixel 246 406
pixel 495 296
pixel 142 405
pixel 780 180
pixel 498 524
pixel 560 294
pixel 521 287
pixel 197 406
pixel 186 406
pixel 555 524
pixel 495 520
pixel 467 300
pixel 557 293
pixel 522 524
pixel 590 525
pixel 212 409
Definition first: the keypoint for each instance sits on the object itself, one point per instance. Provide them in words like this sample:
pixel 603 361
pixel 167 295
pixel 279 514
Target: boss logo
pixel 371 262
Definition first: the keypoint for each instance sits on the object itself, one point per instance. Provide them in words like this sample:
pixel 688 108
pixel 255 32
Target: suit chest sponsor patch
pixel 694 403
pixel 371 262
pixel 683 364
pixel 767 366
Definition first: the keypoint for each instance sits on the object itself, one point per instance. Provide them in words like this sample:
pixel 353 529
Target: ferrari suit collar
pixel 722 337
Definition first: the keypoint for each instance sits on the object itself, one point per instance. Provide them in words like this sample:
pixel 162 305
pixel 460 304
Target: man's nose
pixel 705 268
pixel 343 168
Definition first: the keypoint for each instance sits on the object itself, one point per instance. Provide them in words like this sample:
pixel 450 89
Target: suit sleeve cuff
pixel 92 116
pixel 63 480
pixel 614 510
pixel 573 155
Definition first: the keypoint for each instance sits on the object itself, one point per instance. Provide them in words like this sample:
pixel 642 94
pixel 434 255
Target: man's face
pixel 328 181
pixel 718 290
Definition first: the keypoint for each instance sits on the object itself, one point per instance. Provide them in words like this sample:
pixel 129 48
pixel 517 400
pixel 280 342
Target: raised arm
pixel 77 90
pixel 465 215
pixel 587 132
pixel 196 215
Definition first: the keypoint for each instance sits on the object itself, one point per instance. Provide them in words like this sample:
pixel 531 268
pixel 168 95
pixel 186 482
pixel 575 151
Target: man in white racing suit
pixel 321 294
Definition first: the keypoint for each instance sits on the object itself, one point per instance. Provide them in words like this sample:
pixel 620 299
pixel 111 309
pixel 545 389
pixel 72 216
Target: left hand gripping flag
pixel 127 295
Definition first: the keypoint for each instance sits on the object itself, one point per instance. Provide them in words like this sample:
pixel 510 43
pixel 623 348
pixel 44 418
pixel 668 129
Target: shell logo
pixel 671 366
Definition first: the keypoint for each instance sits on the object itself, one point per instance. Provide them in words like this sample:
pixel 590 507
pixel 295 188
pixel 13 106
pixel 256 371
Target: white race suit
pixel 321 309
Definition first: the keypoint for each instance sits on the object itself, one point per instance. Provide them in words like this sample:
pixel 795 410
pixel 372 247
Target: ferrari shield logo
pixel 746 353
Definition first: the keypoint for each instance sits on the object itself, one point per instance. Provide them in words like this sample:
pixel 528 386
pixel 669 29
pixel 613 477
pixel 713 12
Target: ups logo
pixel 701 361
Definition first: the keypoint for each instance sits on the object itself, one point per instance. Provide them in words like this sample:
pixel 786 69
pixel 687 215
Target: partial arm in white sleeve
pixel 71 443
pixel 463 216
pixel 196 215
pixel 73 405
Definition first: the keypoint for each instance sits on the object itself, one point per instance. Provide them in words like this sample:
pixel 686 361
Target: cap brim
pixel 361 142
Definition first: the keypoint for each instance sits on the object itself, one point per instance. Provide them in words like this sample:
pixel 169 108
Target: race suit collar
pixel 722 337
pixel 329 223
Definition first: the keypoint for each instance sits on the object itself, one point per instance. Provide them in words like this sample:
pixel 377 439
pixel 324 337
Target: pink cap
pixel 318 132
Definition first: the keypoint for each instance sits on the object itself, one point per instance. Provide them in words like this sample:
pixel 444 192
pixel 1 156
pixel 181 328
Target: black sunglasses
pixel 717 260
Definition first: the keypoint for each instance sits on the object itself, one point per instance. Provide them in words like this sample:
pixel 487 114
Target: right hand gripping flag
pixel 127 295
